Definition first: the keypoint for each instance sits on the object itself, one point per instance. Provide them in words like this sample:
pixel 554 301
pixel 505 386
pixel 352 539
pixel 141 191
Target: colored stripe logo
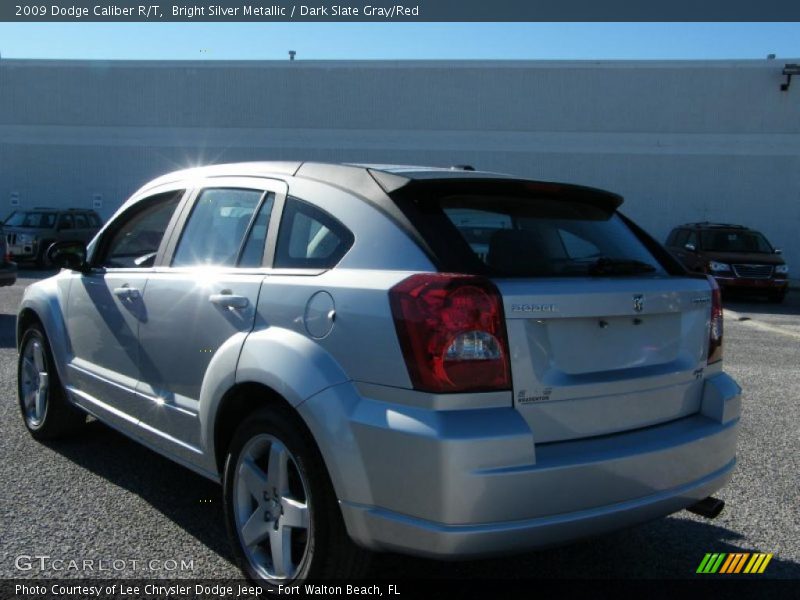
pixel 736 562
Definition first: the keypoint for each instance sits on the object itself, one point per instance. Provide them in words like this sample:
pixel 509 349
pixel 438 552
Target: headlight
pixel 781 269
pixel 24 238
pixel 716 267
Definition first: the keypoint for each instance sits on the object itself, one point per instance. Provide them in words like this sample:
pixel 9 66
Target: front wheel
pixel 42 260
pixel 282 515
pixel 45 409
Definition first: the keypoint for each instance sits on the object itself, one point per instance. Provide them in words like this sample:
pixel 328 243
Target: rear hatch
pixel 606 333
pixel 591 357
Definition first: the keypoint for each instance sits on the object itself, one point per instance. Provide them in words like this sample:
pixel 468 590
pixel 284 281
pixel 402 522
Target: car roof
pixel 709 225
pixel 54 209
pixel 361 178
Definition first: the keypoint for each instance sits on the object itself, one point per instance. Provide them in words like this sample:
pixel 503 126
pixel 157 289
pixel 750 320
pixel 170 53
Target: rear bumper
pixel 463 483
pixel 386 530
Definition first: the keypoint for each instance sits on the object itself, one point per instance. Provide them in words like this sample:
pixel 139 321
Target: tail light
pixel 715 335
pixel 452 332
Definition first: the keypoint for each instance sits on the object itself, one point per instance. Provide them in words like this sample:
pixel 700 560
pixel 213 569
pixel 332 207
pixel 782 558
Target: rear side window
pixel 534 237
pixel 217 227
pixel 66 222
pixel 309 238
pixel 94 220
pixel 81 222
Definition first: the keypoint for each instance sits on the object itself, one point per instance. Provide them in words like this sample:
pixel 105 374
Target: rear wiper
pixel 619 266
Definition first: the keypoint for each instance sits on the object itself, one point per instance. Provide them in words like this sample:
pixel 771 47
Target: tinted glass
pixel 81 221
pixel 680 239
pixel 94 220
pixel 732 240
pixel 43 220
pixel 66 222
pixel 136 236
pixel 216 228
pixel 310 238
pixel 253 251
pixel 526 237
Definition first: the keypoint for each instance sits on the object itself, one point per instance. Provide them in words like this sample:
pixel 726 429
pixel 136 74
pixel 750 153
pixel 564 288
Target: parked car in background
pixel 431 361
pixel 29 233
pixel 737 257
pixel 8 268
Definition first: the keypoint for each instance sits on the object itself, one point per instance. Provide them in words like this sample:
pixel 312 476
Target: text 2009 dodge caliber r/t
pixel 440 362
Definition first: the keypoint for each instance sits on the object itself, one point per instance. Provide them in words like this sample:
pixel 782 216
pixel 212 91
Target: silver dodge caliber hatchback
pixel 440 362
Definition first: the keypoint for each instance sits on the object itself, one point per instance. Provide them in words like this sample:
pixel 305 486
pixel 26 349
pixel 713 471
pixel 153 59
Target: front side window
pixel 309 238
pixel 134 238
pixel 217 226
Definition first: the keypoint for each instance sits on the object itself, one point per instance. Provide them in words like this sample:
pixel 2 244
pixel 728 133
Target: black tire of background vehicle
pixel 331 554
pixel 61 417
pixel 777 297
pixel 42 261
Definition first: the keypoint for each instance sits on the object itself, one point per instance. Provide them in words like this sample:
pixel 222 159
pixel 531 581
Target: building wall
pixel 681 140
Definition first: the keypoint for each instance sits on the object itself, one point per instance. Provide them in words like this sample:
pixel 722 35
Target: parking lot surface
pixel 131 513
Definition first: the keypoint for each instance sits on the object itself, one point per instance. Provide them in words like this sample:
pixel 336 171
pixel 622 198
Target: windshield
pixel 546 237
pixel 735 241
pixel 39 220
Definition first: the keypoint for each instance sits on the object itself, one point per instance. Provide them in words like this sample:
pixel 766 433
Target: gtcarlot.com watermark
pixel 42 563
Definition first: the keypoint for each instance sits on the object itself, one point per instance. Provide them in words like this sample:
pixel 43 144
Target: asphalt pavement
pixel 123 511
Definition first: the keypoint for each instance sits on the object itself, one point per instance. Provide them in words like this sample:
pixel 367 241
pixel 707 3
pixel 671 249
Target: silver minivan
pixel 440 362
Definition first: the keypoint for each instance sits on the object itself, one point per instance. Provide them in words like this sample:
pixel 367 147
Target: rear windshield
pixel 735 241
pixel 39 220
pixel 535 237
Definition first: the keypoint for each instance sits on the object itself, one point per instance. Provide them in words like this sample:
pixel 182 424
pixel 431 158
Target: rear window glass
pixel 536 237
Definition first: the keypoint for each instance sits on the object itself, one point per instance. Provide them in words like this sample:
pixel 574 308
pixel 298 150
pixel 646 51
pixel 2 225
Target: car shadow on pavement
pixel 668 548
pixel 671 547
pixel 743 304
pixel 178 493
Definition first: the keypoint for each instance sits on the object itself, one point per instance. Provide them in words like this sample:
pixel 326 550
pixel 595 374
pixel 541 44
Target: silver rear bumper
pixel 453 484
pixel 384 530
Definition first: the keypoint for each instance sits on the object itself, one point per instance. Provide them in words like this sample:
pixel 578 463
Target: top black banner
pixel 402 10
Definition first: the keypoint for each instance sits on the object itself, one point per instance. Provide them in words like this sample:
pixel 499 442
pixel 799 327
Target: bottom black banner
pixel 406 589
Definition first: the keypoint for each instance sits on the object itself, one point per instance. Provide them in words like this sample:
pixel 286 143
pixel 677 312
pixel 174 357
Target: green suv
pixel 30 233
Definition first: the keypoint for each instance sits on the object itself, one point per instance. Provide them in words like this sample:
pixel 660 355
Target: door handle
pixel 126 292
pixel 227 299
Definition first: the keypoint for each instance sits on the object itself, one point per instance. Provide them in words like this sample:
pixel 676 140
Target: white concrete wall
pixel 681 140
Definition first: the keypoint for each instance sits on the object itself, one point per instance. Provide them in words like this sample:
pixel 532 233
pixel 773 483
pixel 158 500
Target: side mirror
pixel 778 251
pixel 690 247
pixel 68 255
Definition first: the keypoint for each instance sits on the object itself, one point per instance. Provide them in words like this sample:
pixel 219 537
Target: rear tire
pixel 283 519
pixel 46 412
